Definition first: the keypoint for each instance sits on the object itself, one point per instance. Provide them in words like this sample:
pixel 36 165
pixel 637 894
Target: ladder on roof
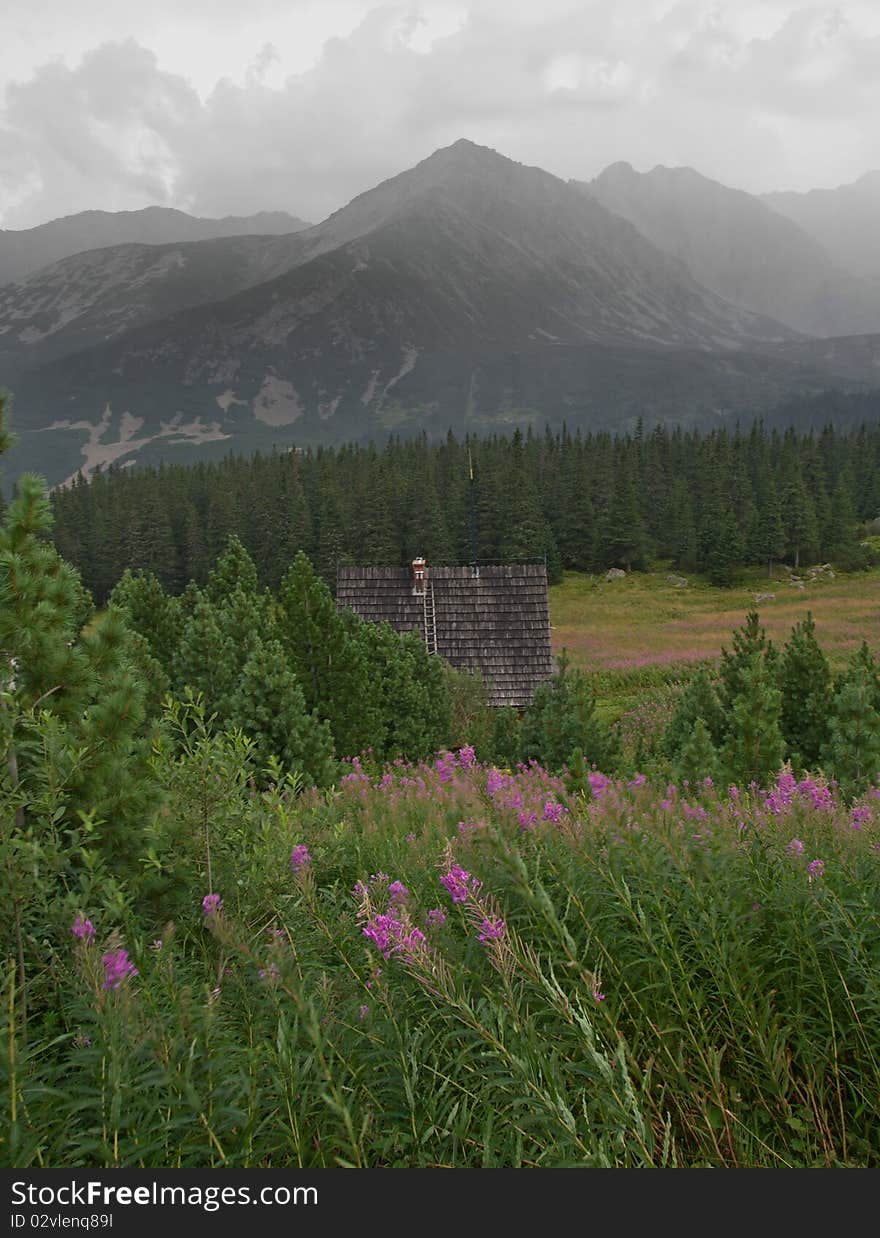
pixel 429 611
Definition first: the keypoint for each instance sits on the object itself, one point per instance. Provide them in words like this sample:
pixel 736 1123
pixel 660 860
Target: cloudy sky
pixel 222 107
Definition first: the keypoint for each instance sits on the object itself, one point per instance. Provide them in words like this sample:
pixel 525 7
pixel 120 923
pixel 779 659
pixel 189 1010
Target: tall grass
pixel 469 967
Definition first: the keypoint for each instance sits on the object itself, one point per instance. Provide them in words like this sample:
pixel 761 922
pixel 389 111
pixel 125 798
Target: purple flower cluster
pixel 397 892
pixel 82 928
pixel 436 917
pixel 391 936
pixel 299 857
pixel 553 812
pixel 458 883
pixel 599 783
pixel 467 757
pixel 117 968
pixel 212 904
pixel 816 868
pixel 860 816
pixel 495 781
pixel 795 847
pixel 492 930
pixel 781 798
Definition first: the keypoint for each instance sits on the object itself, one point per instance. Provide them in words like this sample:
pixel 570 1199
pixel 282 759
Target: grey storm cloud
pixel 789 100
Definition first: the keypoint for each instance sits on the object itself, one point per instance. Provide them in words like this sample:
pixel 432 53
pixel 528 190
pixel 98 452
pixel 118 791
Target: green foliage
pixel 805 681
pixel 698 702
pixel 268 706
pixel 562 718
pixel 707 502
pixel 409 691
pixel 507 742
pixel 75 790
pixel 697 758
pixel 852 750
pixel 327 657
pixel 663 993
pixel 234 571
pixel 155 615
pixel 754 748
pixel 472 719
pixel 748 641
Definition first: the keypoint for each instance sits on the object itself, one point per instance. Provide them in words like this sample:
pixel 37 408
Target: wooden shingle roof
pixel 497 622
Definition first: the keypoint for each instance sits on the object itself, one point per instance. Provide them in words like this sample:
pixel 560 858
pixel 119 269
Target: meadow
pixel 451 964
pixel 640 637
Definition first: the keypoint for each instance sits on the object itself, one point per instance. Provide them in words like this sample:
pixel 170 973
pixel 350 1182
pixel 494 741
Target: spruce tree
pixel 754 748
pixel 329 663
pixel 799 519
pixel 748 640
pixel 852 752
pixel 562 718
pixel 698 702
pixel 697 759
pixel 267 704
pixel 408 687
pixel 841 525
pixel 234 570
pixel 206 660
pixel 76 790
pixel 805 683
pixel 623 540
pixel 151 612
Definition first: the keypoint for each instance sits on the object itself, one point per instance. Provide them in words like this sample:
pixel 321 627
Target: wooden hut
pixel 493 619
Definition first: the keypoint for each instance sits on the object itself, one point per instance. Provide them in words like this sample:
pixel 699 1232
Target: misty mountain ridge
pixel 844 220
pixel 469 291
pixel 743 250
pixel 28 250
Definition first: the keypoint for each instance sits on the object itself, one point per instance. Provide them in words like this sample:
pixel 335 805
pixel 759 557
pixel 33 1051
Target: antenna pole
pixel 472 511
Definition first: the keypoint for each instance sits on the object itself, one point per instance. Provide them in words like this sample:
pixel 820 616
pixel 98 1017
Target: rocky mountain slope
pixel 27 250
pixel 742 249
pixel 843 220
pixel 468 292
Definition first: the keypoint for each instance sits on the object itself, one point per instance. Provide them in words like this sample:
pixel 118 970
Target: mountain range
pixel 28 250
pixel 469 292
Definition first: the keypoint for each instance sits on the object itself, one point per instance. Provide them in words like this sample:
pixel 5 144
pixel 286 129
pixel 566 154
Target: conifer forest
pixel 283 889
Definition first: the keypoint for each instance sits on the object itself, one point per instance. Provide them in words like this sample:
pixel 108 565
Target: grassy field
pixel 646 621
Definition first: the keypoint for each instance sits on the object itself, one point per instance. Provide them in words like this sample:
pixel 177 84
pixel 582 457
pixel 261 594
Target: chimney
pixel 419 576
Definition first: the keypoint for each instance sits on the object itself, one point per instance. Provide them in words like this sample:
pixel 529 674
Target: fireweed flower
pixel 599 783
pixel 384 932
pixel 211 905
pixel 299 857
pixel 795 847
pixel 363 1011
pixel 83 929
pixel 117 968
pixel 459 884
pixel 859 816
pixel 495 781
pixel 598 995
pixel 552 812
pixel 816 867
pixel 492 930
pixel 435 918
pixel 397 892
pixel 466 756
pixel 411 942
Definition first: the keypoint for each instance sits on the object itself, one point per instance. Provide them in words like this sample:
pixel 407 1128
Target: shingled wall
pixel 497 623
